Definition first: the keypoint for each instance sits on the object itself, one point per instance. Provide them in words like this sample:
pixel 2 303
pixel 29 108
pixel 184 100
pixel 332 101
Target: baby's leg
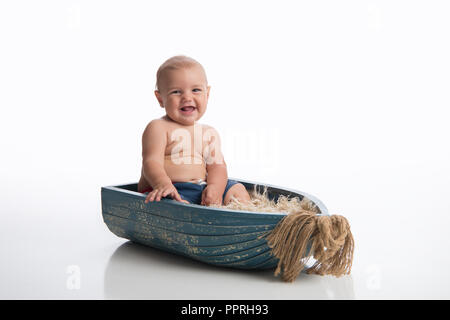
pixel 238 191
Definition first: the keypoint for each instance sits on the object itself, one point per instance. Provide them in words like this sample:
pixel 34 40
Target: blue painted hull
pixel 227 238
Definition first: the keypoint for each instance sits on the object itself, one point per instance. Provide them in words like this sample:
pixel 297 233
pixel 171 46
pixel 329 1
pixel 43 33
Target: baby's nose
pixel 187 96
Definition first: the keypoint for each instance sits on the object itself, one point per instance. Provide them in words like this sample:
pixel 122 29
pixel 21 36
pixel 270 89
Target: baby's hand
pixel 164 190
pixel 211 195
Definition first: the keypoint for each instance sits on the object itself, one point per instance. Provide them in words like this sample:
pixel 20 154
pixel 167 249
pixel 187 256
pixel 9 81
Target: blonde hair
pixel 174 63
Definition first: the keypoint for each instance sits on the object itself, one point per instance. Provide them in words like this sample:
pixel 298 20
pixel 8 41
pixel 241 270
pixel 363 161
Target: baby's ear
pixel 207 91
pixel 158 97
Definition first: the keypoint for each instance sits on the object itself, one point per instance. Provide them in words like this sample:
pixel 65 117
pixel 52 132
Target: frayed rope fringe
pixel 330 237
pixel 331 242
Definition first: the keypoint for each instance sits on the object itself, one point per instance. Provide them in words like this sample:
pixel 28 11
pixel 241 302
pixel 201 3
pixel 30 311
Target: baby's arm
pixel 154 140
pixel 216 168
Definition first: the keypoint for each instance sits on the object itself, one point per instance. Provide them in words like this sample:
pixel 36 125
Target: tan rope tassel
pixel 331 241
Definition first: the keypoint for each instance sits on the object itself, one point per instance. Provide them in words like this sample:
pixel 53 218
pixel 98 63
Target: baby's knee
pixel 237 191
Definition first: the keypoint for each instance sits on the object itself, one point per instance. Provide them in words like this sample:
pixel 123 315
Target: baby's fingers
pixel 160 194
pixel 156 195
pixel 150 196
pixel 167 192
pixel 176 196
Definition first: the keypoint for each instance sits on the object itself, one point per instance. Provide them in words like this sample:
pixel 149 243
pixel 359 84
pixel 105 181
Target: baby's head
pixel 182 89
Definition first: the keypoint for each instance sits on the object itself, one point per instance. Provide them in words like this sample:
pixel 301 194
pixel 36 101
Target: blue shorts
pixel 192 192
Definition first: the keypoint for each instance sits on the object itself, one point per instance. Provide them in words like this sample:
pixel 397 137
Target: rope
pixel 331 244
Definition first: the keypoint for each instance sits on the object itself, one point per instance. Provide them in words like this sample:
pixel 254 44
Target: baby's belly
pixel 183 172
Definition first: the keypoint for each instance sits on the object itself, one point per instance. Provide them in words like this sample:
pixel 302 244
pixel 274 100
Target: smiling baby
pixel 181 158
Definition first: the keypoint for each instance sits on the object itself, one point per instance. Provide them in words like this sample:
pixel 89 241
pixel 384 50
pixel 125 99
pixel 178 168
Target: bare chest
pixel 185 142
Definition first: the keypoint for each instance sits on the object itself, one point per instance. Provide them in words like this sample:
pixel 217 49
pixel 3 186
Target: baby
pixel 182 159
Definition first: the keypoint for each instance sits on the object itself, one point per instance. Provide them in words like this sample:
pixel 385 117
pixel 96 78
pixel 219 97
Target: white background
pixel 346 100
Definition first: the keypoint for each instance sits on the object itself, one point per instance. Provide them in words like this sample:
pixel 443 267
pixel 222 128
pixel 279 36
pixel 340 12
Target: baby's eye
pixel 197 90
pixel 175 91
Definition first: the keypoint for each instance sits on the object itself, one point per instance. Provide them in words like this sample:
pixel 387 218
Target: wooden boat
pixel 229 238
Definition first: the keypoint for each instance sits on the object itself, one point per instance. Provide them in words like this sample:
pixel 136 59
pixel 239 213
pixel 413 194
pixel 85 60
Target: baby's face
pixel 184 94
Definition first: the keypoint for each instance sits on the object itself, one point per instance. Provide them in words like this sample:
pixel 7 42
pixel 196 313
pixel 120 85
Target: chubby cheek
pixel 173 102
pixel 201 111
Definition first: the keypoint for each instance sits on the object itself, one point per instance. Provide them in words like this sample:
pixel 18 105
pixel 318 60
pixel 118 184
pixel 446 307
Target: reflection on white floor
pixel 138 272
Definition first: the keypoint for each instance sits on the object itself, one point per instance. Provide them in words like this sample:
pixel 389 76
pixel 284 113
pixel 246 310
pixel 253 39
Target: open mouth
pixel 188 109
